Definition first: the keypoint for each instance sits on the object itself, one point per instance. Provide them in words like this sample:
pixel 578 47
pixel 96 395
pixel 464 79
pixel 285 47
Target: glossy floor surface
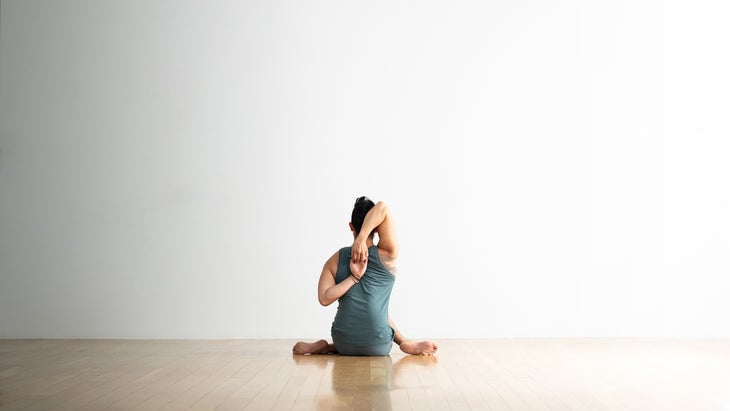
pixel 492 374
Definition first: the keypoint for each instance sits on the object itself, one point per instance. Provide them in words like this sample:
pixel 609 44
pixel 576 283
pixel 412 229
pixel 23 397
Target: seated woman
pixel 361 278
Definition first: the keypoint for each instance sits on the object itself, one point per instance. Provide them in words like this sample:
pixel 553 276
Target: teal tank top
pixel 362 312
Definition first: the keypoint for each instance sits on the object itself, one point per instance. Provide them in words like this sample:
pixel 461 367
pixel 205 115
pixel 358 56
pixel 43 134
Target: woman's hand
pixel 357 268
pixel 360 250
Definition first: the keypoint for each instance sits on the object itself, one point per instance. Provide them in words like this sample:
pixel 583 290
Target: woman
pixel 361 278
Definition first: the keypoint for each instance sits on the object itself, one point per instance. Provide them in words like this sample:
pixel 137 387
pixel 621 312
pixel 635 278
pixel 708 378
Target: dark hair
pixel 362 206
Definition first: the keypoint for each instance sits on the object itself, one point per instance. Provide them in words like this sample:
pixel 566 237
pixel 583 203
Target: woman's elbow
pixel 324 301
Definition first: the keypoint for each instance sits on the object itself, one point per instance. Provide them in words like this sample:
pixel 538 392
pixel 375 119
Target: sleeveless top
pixel 362 312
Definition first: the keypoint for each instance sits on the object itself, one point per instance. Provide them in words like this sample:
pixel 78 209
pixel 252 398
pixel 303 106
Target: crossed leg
pixel 412 347
pixel 406 345
pixel 317 347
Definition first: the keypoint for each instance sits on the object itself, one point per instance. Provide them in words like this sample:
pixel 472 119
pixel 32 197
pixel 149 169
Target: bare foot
pixel 419 347
pixel 318 347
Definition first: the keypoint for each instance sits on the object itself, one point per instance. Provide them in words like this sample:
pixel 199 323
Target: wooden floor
pixel 494 374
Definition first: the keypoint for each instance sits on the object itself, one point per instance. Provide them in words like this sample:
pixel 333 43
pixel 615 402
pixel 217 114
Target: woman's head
pixel 359 211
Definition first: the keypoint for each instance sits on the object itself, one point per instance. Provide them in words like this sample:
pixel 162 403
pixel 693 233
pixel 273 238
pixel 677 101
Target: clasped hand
pixel 359 260
pixel 359 250
pixel 357 268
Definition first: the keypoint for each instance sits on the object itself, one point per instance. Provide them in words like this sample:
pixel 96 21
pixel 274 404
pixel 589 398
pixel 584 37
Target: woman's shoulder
pixel 385 260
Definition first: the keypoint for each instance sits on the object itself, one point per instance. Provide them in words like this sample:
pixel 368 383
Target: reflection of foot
pixel 319 347
pixel 419 347
pixel 415 360
pixel 321 361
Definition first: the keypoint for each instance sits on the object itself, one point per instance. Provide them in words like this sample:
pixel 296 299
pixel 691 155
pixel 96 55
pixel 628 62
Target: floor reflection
pixel 360 382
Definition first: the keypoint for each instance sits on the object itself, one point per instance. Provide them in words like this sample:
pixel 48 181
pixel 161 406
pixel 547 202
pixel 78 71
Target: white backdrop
pixel 183 169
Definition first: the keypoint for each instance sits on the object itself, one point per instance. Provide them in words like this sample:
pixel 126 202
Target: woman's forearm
pixel 373 219
pixel 334 293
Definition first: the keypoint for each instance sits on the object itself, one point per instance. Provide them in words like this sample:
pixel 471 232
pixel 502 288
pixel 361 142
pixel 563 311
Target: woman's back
pixel 362 314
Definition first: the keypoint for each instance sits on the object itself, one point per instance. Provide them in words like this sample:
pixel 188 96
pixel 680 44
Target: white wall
pixel 183 169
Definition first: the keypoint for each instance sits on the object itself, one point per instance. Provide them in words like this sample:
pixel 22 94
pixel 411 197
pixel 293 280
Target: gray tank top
pixel 362 312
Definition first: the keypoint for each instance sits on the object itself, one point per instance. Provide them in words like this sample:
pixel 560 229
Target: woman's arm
pixel 330 292
pixel 380 220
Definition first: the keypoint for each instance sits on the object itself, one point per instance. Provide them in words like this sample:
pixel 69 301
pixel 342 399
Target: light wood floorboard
pixel 490 374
